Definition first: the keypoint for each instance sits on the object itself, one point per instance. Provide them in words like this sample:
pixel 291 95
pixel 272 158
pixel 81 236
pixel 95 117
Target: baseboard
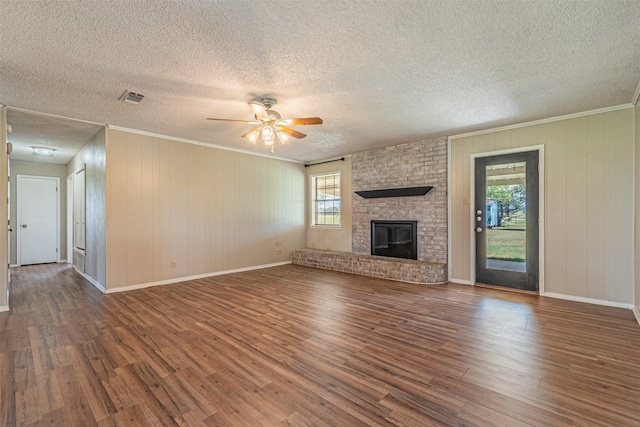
pixel 636 312
pixel 92 280
pixel 187 278
pixel 589 300
pixel 4 308
pixel 460 281
pixel 63 261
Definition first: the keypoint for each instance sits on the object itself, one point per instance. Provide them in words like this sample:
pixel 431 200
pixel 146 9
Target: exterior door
pixel 506 219
pixel 37 224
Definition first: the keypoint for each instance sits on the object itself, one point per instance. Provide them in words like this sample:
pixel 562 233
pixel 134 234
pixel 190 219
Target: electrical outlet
pixel 278 242
pixel 173 264
pixel 278 251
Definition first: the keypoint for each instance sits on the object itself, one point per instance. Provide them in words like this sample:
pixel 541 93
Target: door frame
pixel 18 214
pixel 69 237
pixel 541 209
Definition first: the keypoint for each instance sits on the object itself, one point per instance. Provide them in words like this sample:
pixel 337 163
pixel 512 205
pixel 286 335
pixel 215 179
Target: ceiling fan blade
pixel 253 122
pixel 259 111
pixel 291 132
pixel 301 121
pixel 254 130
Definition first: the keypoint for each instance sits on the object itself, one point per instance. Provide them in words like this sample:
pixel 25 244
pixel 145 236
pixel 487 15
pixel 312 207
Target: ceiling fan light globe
pixel 283 137
pixel 268 135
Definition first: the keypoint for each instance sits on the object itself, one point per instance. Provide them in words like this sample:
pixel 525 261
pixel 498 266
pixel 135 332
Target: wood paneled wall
pixel 180 210
pixel 93 159
pixel 589 203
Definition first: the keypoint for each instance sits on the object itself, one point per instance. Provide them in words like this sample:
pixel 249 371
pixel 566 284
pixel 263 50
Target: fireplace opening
pixel 397 239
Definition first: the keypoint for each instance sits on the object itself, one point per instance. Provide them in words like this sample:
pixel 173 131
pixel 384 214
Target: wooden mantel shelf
pixel 394 192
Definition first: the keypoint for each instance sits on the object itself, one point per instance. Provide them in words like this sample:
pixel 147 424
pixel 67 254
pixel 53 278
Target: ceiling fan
pixel 271 124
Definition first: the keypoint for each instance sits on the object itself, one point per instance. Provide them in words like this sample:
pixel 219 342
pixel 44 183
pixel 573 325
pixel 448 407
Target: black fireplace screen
pixel 397 239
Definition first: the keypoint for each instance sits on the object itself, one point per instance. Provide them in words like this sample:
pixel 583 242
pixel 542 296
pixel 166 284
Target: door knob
pixel 24 225
pixel 479 229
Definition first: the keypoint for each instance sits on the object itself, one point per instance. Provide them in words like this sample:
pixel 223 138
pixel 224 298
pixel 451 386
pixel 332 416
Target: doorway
pixel 506 220
pixel 38 219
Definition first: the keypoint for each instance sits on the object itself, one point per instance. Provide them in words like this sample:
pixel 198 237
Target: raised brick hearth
pixel 405 270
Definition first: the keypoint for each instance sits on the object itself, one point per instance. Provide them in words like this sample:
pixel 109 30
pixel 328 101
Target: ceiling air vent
pixel 131 97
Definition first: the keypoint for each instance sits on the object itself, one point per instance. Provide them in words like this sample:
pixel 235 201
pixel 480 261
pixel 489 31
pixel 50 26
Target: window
pixel 326 199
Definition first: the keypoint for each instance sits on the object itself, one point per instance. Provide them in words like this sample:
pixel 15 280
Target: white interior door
pixel 37 199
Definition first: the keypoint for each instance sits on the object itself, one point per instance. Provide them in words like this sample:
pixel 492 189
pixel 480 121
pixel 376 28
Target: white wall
pixel 205 209
pixel 589 204
pixel 335 239
pixel 93 158
pixel 19 167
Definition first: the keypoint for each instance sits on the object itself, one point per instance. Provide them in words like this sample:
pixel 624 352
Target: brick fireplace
pixel 406 165
pixel 422 163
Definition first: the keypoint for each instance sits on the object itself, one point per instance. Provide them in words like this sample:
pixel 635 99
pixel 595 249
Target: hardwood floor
pixel 295 346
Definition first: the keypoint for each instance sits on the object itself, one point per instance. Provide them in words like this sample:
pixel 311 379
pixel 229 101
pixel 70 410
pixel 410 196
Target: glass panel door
pixel 506 220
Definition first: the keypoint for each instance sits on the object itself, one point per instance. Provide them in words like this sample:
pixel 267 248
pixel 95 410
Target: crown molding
pixel 55 116
pixel 542 121
pixel 202 144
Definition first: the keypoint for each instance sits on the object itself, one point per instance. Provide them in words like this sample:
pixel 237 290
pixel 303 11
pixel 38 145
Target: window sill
pixel 326 227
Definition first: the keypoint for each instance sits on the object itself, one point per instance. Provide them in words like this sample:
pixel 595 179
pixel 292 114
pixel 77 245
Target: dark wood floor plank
pixel 291 345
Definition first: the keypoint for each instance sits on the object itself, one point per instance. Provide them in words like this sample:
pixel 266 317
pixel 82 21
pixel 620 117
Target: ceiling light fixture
pixel 268 134
pixel 283 136
pixel 42 151
pixel 271 125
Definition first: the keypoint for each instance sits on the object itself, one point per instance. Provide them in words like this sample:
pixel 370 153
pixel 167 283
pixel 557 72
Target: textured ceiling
pixel 378 72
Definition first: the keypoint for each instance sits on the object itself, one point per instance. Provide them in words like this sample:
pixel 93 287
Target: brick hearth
pixel 405 270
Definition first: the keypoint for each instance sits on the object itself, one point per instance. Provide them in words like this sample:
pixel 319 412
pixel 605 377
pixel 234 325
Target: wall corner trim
pixel 636 95
pixel 636 312
pixel 91 280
